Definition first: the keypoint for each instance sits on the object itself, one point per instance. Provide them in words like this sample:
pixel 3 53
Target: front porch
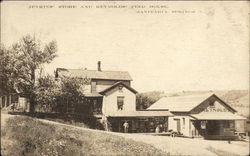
pixel 216 125
pixel 139 124
pixel 214 129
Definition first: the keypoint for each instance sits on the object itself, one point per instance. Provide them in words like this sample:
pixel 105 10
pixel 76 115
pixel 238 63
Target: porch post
pixel 1 101
pixel 10 99
pixel 105 121
pixel 5 101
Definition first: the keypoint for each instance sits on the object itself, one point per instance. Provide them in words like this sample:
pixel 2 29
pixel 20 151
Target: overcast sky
pixel 205 50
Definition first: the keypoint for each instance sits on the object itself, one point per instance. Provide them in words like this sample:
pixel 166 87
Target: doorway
pixel 178 125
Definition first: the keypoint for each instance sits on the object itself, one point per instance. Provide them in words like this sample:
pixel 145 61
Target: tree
pixel 65 95
pixel 47 92
pixel 6 86
pixel 21 61
pixel 144 100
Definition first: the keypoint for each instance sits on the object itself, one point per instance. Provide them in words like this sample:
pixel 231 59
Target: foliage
pixel 64 95
pixel 47 91
pixel 64 99
pixel 6 86
pixel 20 62
pixel 36 138
pixel 144 100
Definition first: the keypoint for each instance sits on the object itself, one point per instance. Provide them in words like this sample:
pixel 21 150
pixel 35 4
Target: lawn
pixel 25 136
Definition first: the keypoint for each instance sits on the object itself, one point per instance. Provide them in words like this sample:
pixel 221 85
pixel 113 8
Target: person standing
pixel 157 129
pixel 126 126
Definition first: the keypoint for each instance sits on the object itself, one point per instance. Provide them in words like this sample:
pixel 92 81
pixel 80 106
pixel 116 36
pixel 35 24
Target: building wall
pixel 6 100
pixel 242 126
pixel 23 104
pixel 87 88
pixel 110 101
pixel 185 125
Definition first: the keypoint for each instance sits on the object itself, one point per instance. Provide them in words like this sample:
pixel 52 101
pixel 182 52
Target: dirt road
pixel 188 146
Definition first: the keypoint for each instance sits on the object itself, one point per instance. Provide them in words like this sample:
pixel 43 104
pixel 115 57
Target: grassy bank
pixel 25 136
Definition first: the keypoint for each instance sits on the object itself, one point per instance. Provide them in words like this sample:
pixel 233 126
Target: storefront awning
pixel 140 114
pixel 217 116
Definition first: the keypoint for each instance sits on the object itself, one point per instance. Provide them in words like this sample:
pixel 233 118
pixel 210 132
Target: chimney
pixel 99 66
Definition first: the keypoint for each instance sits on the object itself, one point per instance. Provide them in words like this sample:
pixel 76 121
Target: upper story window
pixel 120 102
pixel 120 88
pixel 211 104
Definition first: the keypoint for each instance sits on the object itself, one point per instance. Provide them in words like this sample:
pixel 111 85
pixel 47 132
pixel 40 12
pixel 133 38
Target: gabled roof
pixel 93 74
pixel 183 103
pixel 117 84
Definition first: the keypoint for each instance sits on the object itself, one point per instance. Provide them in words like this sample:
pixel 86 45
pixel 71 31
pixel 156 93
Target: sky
pixel 207 49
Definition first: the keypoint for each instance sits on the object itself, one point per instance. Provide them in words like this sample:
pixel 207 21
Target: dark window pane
pixel 120 102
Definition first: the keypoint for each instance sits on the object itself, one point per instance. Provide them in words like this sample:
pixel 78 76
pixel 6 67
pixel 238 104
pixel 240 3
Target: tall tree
pixel 6 86
pixel 21 61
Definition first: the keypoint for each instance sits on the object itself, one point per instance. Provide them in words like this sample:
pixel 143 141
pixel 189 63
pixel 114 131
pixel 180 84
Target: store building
pixel 203 115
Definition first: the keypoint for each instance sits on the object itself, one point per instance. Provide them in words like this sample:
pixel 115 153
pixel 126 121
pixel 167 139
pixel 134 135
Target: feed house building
pixel 201 115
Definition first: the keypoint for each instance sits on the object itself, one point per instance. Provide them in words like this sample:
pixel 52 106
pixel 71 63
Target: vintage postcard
pixel 124 78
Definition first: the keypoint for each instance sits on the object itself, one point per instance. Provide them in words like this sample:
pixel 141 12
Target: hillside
pixel 35 137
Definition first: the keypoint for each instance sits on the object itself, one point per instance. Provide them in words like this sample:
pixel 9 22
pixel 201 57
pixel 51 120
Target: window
pixel 120 102
pixel 211 104
pixel 120 88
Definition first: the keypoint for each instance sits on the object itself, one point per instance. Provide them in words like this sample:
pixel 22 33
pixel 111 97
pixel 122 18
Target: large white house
pixel 113 99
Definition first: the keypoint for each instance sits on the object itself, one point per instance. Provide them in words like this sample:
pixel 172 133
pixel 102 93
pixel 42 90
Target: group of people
pixel 158 128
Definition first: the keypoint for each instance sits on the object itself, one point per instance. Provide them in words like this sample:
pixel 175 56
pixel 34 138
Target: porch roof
pixel 217 116
pixel 140 114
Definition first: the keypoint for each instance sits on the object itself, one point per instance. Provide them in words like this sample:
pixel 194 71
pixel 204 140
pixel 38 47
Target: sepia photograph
pixel 124 78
